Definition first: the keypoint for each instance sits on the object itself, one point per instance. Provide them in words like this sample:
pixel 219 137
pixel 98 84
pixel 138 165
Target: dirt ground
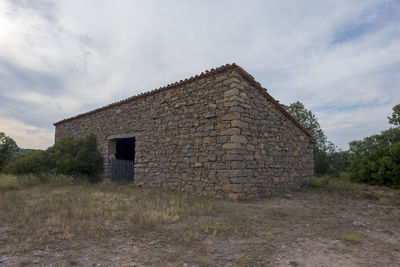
pixel 324 226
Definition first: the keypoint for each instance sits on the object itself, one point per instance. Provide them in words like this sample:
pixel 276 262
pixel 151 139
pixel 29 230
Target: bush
pixel 7 148
pixel 79 157
pixel 69 156
pixel 370 143
pixel 33 161
pixel 379 167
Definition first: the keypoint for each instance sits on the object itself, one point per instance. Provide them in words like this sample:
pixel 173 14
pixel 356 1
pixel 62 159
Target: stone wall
pixel 215 134
pixel 270 152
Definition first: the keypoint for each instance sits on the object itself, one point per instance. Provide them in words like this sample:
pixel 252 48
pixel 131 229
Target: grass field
pixel 45 220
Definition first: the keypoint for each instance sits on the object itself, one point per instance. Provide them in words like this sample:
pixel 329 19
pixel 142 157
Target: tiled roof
pixel 181 83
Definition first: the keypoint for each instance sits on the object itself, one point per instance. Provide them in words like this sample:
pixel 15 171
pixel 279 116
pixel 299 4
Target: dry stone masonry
pixel 219 133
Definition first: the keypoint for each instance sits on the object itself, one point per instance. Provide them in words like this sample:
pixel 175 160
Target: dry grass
pixel 343 187
pixel 48 214
pixel 8 182
pixel 13 182
pixel 45 213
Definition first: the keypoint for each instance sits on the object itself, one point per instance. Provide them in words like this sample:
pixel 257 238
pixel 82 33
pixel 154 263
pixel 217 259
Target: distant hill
pixel 23 150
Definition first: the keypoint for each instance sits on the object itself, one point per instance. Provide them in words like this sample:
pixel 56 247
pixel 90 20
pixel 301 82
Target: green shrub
pixel 373 142
pixel 78 157
pixel 33 161
pixel 379 167
pixel 71 157
pixel 7 148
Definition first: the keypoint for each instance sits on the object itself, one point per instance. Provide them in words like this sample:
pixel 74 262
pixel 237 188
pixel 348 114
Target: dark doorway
pixel 125 149
pixel 122 167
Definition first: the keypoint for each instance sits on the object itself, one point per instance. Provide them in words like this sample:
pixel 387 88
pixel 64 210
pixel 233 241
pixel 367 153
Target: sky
pixel 340 58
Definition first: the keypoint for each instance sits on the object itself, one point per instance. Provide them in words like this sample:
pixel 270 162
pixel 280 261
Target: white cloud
pixel 27 136
pixel 345 126
pixel 90 53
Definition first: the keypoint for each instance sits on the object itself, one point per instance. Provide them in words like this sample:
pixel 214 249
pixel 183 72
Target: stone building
pixel 218 133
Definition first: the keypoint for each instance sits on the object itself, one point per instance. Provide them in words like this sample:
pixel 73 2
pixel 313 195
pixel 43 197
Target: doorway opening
pixel 125 149
pixel 122 166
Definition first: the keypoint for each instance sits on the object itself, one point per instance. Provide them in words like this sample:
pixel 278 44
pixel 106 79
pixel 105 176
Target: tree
pixel 395 119
pixel 7 149
pixel 390 136
pixel 308 120
pixel 373 142
pixel 323 148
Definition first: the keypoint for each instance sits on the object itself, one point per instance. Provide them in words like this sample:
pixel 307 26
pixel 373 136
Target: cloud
pixel 25 135
pixel 61 58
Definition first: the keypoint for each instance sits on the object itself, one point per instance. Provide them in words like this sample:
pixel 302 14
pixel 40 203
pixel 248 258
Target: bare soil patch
pixel 333 223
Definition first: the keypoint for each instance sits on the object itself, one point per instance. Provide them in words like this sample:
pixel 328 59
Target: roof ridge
pixel 204 74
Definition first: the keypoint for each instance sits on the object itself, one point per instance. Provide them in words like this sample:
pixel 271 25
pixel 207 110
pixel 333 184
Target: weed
pixel 320 182
pixel 277 213
pixel 394 199
pixel 352 238
pixel 293 263
pixel 387 232
pixel 190 236
pixel 370 196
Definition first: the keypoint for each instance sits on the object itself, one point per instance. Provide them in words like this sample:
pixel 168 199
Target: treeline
pixel 374 160
pixel 69 156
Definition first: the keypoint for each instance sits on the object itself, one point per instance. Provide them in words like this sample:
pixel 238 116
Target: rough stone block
pixel 230 157
pixel 232 146
pixel 234 173
pixel 231 80
pixel 236 109
pixel 239 139
pixel 230 116
pixel 251 148
pixel 239 124
pixel 238 165
pixel 188 188
pixel 231 92
pixel 234 188
pixel 230 131
pixel 221 77
pixel 210 115
pixel 238 180
pixel 236 85
pixel 231 104
pixel 235 196
pixel 212 106
pixel 212 157
pixel 236 98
